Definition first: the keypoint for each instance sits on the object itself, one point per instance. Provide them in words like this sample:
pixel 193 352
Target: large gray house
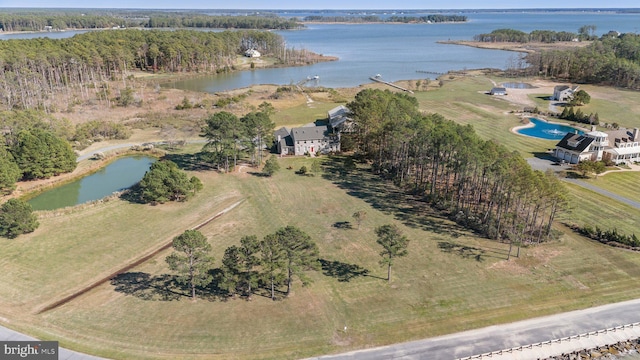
pixel 311 139
pixel 315 139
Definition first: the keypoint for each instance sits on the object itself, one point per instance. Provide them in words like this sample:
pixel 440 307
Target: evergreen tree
pixel 240 264
pixel 166 182
pixel 40 154
pixel 9 172
pixel 16 218
pixel 394 245
pixel 191 260
pixel 273 262
pixel 271 166
pixel 300 254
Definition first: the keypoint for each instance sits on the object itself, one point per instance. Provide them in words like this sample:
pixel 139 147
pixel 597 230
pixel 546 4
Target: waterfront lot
pixel 450 281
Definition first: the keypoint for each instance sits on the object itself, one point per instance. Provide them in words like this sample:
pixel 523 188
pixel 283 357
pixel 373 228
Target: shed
pixel 498 91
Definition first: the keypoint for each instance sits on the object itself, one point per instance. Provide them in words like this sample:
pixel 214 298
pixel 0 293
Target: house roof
pixel 498 89
pixel 338 111
pixel 338 115
pixel 308 133
pixel 561 88
pixel 282 132
pixel 598 134
pixel 582 141
pixel 623 134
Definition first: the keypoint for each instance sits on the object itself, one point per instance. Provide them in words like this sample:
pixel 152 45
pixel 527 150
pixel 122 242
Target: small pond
pixel 118 175
pixel 517 85
pixel 545 130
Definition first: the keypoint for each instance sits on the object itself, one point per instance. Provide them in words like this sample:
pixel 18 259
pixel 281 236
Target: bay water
pixel 397 51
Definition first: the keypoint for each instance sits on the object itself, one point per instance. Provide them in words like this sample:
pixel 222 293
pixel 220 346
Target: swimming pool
pixel 548 131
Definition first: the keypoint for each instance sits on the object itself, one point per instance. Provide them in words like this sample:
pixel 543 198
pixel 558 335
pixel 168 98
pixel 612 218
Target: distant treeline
pixel 511 35
pixel 38 21
pixel 35 71
pixel 377 19
pixel 585 32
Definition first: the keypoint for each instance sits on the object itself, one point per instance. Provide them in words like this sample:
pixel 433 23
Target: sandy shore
pixel 529 47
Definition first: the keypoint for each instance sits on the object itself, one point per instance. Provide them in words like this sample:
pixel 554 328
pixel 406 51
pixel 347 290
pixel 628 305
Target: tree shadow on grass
pixel 342 271
pixel 258 174
pixel 191 162
pixel 345 225
pixel 165 287
pixel 133 195
pixel 470 252
pixel 412 210
pixel 146 287
pixel 463 251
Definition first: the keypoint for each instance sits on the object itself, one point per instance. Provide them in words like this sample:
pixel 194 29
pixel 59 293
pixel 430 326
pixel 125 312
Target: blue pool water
pixel 545 130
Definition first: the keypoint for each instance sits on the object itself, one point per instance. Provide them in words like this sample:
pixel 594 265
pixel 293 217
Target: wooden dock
pixel 377 79
pixel 430 72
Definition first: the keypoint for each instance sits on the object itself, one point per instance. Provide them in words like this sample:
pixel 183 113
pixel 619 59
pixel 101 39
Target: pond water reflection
pixel 118 175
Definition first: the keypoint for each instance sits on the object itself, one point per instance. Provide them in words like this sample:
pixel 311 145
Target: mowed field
pixel 451 280
pixel 623 183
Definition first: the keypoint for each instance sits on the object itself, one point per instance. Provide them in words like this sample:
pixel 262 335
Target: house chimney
pixel 636 132
pixel 593 128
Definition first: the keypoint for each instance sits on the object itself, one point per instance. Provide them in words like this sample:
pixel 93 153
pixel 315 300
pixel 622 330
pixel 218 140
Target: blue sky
pixel 325 4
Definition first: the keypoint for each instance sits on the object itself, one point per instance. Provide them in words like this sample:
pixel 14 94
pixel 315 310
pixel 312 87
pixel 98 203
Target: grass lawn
pixel 623 183
pixel 464 101
pixel 588 207
pixel 450 281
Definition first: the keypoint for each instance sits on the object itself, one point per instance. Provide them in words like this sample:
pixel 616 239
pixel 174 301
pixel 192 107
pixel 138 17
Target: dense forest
pixel 376 19
pixel 34 71
pixel 611 60
pixel 55 20
pixel 479 183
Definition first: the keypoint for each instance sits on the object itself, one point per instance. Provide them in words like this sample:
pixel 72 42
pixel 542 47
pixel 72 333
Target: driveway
pixel 604 192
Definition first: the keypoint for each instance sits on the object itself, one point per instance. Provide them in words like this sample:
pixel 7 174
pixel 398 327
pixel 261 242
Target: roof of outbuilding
pixel 561 88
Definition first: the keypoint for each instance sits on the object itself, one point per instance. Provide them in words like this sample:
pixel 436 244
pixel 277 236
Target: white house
pixel 620 146
pixel 563 92
pixel 252 53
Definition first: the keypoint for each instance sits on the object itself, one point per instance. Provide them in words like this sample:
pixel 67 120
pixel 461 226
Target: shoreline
pixel 528 48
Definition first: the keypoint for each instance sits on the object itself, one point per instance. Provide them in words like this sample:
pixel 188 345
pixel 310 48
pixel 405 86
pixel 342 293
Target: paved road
pixel 481 341
pixel 604 192
pixel 500 337
pixel 64 354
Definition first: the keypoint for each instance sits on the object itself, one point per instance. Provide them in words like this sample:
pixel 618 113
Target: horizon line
pixel 324 9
